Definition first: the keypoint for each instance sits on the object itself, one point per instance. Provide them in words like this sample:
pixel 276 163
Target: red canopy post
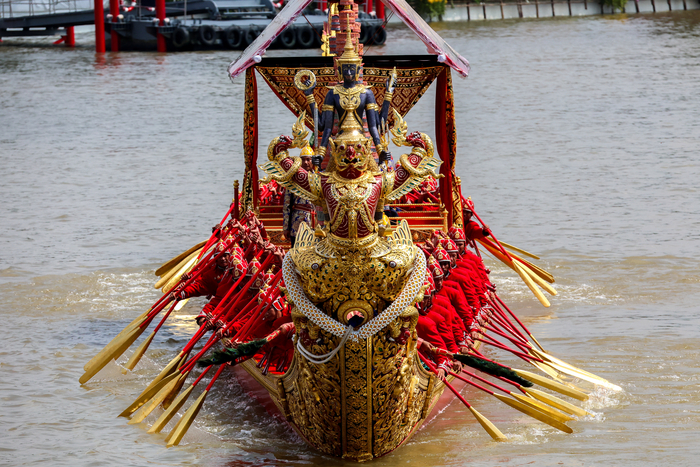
pixel 99 27
pixel 249 196
pixel 368 7
pixel 447 147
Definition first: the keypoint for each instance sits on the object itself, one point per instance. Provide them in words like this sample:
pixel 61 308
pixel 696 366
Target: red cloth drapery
pixel 446 145
pixel 250 143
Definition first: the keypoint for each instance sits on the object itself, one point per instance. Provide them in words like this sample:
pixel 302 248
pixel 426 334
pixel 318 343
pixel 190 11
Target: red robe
pixel 459 332
pixel 427 330
pixel 473 231
pixel 205 284
pixel 453 293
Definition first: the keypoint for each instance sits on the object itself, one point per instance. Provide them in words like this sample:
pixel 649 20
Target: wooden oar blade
pixel 149 406
pixel 118 337
pixel 546 369
pixel 534 413
pixel 192 257
pixel 176 260
pixel 147 394
pixel 115 351
pixel 186 421
pixel 531 285
pixel 553 385
pixel 138 353
pixel 569 369
pixel 537 405
pixel 488 426
pixel 538 280
pixel 175 279
pixel 171 411
pixel 556 402
pixel 519 250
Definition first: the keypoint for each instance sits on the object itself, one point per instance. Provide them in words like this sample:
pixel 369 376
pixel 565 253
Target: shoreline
pixel 549 9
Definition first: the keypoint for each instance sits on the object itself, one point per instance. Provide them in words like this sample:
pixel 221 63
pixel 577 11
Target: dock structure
pixel 172 26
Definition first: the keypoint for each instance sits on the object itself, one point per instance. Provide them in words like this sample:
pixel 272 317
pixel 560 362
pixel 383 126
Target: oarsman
pixel 472 230
pixel 442 320
pixel 450 290
pixel 427 330
pixel 297 210
pixel 215 281
pixel 462 275
pixel 273 312
pixel 442 305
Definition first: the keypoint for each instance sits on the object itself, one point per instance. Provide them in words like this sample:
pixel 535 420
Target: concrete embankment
pixel 547 9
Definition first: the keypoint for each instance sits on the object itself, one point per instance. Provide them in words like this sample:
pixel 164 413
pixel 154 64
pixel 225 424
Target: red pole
pixel 380 10
pixel 99 27
pixel 323 5
pixel 70 36
pixel 160 14
pixel 369 6
pixel 114 11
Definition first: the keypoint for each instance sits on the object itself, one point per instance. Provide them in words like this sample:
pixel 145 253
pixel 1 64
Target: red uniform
pixel 459 331
pixel 427 330
pixel 473 231
pixel 453 293
pixel 205 284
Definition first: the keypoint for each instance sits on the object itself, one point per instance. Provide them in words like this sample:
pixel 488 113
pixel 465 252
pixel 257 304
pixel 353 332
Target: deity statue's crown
pixel 350 55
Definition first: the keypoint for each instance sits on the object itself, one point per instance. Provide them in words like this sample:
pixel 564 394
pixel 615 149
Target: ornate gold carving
pixel 349 97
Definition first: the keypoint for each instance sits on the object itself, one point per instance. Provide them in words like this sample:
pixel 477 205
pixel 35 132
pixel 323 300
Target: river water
pixel 578 141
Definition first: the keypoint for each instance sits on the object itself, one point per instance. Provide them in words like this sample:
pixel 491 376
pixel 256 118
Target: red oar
pixel 176 405
pixel 520 406
pixel 483 421
pixel 535 404
pixel 519 322
pixel 471 206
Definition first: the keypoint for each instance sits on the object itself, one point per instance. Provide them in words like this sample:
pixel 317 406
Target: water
pixel 577 141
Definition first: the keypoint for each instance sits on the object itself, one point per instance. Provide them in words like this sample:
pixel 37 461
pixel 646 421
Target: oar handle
pixel 452 388
pixel 520 345
pixel 160 304
pixel 512 314
pixel 484 380
pixel 216 376
pixel 213 234
pixel 471 206
pixel 229 310
pixel 271 294
pixel 199 378
pixel 241 293
pixel 468 381
pixel 165 317
pixel 525 357
pixel 501 317
pixel 203 328
pixel 190 363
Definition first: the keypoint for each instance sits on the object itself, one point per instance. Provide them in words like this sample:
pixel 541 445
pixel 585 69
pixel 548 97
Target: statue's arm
pixel 287 170
pixel 372 112
pixel 326 122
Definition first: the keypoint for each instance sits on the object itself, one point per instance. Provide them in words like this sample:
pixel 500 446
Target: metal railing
pixel 19 8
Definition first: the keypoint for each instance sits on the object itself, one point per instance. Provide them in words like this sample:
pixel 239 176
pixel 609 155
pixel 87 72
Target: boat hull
pixel 364 403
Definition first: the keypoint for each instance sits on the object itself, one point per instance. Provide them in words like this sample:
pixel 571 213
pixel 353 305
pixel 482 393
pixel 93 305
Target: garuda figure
pixel 352 269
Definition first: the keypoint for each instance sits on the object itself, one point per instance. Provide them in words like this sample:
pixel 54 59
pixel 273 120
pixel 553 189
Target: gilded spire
pixel 350 55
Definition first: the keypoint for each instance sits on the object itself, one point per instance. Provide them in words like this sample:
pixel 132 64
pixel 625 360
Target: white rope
pixel 379 322
pixel 321 359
